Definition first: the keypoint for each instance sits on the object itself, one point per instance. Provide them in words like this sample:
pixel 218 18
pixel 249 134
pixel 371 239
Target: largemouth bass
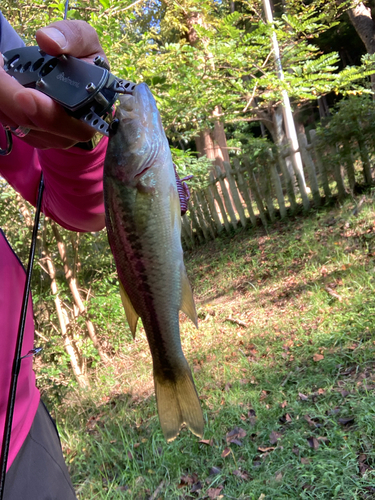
pixel 144 230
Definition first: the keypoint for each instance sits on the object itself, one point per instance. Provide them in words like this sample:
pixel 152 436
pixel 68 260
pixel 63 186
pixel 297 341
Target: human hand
pixel 50 125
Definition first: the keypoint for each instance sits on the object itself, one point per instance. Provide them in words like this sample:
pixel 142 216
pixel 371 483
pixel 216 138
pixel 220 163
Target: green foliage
pixel 188 163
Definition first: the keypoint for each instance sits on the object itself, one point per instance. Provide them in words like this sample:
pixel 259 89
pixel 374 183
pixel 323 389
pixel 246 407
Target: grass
pixel 284 364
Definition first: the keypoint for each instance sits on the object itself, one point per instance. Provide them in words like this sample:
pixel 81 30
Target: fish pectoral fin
pixel 130 313
pixel 178 405
pixel 187 300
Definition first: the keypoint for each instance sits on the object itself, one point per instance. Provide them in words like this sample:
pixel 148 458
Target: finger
pixel 45 140
pixel 45 114
pixel 76 38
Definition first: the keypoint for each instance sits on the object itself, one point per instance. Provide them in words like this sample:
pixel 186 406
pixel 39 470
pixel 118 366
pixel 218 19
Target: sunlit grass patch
pixel 284 364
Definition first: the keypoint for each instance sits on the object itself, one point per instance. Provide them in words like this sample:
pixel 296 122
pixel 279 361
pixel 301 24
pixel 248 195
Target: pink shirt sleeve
pixel 73 178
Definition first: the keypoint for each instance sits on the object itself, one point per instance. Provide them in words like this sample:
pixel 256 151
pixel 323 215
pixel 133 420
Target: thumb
pixel 76 38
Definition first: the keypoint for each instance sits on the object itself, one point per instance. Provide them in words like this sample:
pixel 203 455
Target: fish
pixel 143 220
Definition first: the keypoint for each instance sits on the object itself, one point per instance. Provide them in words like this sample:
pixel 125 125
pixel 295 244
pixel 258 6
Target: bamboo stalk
pixel 288 181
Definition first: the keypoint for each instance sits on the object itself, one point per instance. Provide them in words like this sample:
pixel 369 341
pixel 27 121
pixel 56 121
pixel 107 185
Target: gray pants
pixel 39 471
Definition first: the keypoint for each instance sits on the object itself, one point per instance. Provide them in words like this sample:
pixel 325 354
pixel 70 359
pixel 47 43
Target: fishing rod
pixel 21 329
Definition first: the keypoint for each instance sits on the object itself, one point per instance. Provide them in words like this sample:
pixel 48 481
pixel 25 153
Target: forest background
pixel 211 68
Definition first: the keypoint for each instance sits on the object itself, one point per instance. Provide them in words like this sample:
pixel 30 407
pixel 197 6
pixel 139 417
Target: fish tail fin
pixel 178 404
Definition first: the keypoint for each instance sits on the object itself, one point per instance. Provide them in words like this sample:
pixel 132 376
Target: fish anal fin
pixel 130 313
pixel 178 405
pixel 187 300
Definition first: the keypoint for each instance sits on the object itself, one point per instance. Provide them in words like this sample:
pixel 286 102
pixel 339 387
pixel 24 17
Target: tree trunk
pixel 361 18
pixel 72 282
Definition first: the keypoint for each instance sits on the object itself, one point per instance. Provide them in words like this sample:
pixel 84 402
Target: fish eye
pixel 113 126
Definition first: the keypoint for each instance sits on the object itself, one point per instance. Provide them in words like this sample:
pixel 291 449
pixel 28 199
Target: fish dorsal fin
pixel 187 300
pixel 130 313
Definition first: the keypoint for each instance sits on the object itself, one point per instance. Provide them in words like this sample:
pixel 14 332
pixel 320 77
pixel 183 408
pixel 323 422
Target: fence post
pixel 267 190
pixel 321 165
pixel 243 188
pixel 300 180
pixel 194 222
pixel 211 203
pixel 347 157
pixel 255 191
pixel 186 231
pixel 206 214
pixel 309 164
pixel 219 201
pixel 365 161
pixel 228 203
pixel 288 180
pixel 338 176
pixel 234 192
pixel 278 186
pixel 201 221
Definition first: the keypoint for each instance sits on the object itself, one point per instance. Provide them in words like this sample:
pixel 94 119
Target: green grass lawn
pixel 284 364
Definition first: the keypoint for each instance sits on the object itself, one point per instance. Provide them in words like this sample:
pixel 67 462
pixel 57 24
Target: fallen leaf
pixel 235 435
pixel 310 421
pixel 346 421
pixel 130 456
pixel 318 357
pixel 214 471
pixel 264 449
pixel 295 450
pixel 313 442
pixel 275 436
pixel 208 442
pixel 305 461
pixel 283 404
pixel 225 453
pixel 241 474
pixel 196 487
pixel 279 477
pixel 214 492
pixel 303 397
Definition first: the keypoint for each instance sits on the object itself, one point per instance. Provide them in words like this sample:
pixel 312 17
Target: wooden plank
pixel 206 214
pixel 366 165
pixel 226 197
pixel 309 164
pixel 288 181
pixel 338 177
pixel 234 191
pixel 219 201
pixel 348 160
pixel 199 214
pixel 186 231
pixel 300 179
pixel 255 191
pixel 243 188
pixel 267 190
pixel 278 186
pixel 211 203
pixel 321 165
pixel 195 223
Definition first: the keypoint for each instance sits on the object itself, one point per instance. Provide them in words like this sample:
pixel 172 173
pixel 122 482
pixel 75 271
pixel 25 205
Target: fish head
pixel 136 136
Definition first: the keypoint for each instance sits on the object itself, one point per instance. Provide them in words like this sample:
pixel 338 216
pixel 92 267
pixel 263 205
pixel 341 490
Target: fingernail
pixel 55 35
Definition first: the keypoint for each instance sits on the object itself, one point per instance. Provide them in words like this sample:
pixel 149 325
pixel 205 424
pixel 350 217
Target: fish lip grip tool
pixel 87 91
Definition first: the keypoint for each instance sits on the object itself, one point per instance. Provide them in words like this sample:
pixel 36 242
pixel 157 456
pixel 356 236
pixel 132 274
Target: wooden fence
pixel 249 192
